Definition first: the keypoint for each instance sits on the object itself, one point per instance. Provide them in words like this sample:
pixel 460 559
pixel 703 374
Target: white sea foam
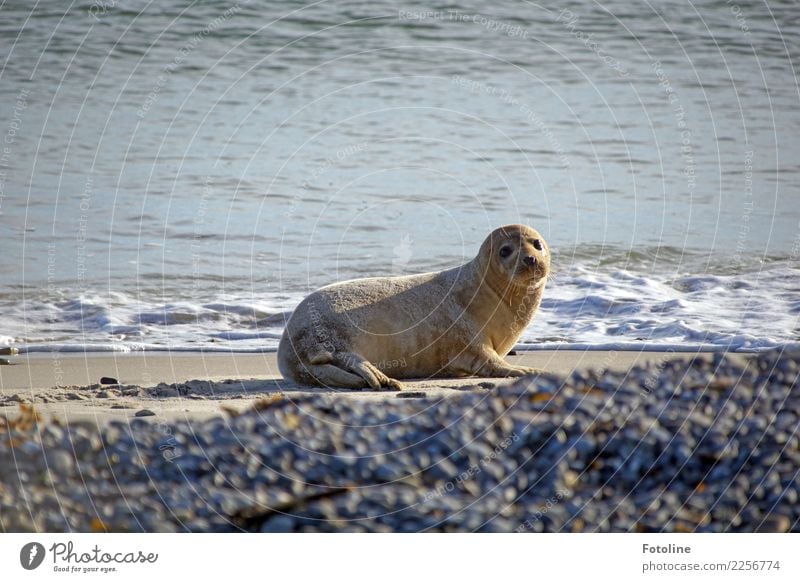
pixel 622 309
pixel 583 308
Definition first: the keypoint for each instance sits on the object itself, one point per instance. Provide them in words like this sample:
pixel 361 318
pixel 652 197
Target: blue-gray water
pixel 200 166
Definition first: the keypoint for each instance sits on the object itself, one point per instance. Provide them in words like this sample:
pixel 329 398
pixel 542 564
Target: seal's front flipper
pixel 526 371
pixel 497 367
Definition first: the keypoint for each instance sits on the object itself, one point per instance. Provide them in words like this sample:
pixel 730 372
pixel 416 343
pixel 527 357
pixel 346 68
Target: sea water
pixel 178 175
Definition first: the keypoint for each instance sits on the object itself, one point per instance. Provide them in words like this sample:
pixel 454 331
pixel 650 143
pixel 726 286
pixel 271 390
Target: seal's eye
pixel 505 251
pixel 537 244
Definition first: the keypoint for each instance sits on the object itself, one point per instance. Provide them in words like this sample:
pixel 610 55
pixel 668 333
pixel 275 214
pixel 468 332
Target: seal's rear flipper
pixel 359 365
pixel 334 377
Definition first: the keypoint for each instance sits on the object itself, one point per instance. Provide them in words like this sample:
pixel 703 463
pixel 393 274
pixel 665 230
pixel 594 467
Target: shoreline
pixel 630 346
pixel 193 386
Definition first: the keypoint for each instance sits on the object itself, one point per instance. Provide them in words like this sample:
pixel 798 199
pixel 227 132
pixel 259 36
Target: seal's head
pixel 516 254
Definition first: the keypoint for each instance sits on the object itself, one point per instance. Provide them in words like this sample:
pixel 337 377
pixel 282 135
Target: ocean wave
pixel 585 306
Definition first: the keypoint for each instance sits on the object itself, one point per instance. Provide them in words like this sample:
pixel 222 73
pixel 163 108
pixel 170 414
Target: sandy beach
pixel 609 442
pixel 67 386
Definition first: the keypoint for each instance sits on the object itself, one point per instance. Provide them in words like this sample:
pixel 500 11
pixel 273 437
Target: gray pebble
pixel 59 461
pixel 774 523
pixel 278 524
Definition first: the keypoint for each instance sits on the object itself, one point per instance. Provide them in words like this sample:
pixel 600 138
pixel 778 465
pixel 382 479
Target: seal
pixel 453 323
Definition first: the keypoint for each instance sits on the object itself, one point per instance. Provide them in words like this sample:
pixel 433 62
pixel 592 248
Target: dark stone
pixel 411 395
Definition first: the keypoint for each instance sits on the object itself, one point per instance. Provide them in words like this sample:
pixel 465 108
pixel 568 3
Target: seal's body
pixel 457 322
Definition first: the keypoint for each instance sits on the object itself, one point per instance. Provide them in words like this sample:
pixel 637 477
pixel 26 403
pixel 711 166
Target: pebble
pixel 59 461
pixel 591 453
pixel 108 380
pixel 774 524
pixel 278 524
pixel 410 394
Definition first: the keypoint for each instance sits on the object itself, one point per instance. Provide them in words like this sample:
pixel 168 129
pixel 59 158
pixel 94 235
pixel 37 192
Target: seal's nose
pixel 530 261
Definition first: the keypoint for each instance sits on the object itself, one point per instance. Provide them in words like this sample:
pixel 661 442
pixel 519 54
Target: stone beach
pixel 707 444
